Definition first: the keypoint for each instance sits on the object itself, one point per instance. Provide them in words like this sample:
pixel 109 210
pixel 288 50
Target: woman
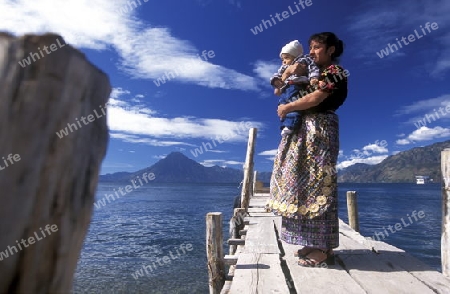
pixel 303 186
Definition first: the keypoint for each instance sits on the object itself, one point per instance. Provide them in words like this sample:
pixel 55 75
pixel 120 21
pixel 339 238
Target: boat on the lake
pixel 420 180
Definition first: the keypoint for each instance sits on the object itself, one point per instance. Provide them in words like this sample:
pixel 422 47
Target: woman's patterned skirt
pixel 303 186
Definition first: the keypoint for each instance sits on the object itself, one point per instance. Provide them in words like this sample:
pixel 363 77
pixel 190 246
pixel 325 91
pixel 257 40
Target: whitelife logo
pixel 31 240
pixel 146 177
pixel 411 38
pixel 32 56
pixel 285 15
pixel 71 127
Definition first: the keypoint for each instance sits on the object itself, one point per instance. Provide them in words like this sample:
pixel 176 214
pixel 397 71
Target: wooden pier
pixel 264 264
pixel 259 262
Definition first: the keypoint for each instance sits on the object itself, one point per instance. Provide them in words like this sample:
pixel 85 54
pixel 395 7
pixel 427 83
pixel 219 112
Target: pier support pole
pixel 352 208
pixel 255 174
pixel 248 169
pixel 445 239
pixel 236 225
pixel 214 251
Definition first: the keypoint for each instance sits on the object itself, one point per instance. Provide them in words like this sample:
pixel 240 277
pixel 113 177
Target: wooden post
pixel 48 191
pixel 248 169
pixel 445 239
pixel 236 225
pixel 250 184
pixel 255 174
pixel 214 250
pixel 352 208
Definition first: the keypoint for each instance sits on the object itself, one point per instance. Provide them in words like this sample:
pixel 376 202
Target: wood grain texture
pixel 54 182
pixel 258 273
pixel 248 169
pixel 214 250
pixel 352 209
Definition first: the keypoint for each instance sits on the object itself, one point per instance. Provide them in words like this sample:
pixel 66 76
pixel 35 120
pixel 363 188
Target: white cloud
pixel 402 142
pixel 375 148
pixel 364 155
pixel 369 160
pixel 142 48
pixel 272 152
pixel 425 134
pixel 146 128
pixel 216 151
pixel 147 141
pixel 265 69
pixel 366 151
pixel 426 106
pixel 233 162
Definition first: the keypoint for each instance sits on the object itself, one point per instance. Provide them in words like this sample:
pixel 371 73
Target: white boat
pixel 420 180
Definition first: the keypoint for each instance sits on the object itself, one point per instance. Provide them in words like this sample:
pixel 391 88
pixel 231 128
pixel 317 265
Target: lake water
pixel 163 228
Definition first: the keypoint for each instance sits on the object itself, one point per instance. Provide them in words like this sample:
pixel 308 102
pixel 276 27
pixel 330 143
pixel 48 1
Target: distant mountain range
pixel 178 168
pixel 399 168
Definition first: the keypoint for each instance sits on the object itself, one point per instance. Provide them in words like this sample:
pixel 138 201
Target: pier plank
pixel 261 214
pixel 256 209
pixel 258 202
pixel 258 273
pixel 376 275
pixel 261 237
pixel 264 195
pixel 430 277
pixel 385 263
pixel 323 279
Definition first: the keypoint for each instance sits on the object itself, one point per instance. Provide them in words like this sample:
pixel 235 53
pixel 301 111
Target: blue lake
pixel 162 228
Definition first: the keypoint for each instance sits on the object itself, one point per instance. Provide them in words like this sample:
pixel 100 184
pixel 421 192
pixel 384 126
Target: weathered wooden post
pixel 250 183
pixel 53 134
pixel 236 225
pixel 352 208
pixel 445 239
pixel 248 169
pixel 255 174
pixel 214 251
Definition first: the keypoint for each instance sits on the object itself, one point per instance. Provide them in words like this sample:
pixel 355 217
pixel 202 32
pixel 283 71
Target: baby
pixel 289 89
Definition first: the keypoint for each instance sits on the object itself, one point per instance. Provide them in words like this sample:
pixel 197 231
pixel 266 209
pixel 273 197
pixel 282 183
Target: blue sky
pixel 213 100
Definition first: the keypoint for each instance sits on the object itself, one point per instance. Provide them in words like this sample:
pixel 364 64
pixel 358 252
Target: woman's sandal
pixel 308 262
pixel 303 252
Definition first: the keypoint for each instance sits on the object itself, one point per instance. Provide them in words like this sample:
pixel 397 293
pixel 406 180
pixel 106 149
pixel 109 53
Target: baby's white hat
pixel 293 48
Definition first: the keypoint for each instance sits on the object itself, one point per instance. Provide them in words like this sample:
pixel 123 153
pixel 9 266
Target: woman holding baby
pixel 303 186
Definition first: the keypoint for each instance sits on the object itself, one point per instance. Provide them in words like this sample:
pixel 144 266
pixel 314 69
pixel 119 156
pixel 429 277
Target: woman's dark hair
pixel 329 39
